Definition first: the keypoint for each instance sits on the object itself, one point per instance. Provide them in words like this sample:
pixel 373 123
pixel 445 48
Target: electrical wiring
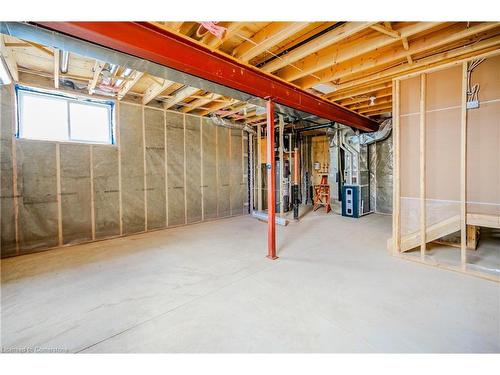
pixel 472 90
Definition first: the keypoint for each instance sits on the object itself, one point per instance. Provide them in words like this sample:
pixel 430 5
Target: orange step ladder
pixel 322 194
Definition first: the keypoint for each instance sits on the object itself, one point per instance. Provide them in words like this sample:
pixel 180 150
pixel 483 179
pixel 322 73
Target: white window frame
pixel 23 91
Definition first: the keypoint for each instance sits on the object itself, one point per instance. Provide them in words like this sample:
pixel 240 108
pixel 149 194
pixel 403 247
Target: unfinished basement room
pixel 250 187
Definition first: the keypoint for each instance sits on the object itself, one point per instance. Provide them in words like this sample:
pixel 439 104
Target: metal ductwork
pixel 383 132
pixel 231 125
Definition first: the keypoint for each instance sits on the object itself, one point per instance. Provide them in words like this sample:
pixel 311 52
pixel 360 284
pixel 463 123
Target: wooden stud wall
pixel 465 217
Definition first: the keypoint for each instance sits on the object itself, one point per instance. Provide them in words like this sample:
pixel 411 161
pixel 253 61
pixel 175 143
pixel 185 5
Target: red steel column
pixel 271 183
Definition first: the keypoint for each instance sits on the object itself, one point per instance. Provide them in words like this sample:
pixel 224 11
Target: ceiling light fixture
pixel 372 100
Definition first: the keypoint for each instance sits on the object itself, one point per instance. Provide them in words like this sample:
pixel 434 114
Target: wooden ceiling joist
pixel 200 102
pixel 40 48
pixel 377 102
pixel 179 96
pixel 175 25
pixel 334 36
pixel 255 118
pixel 380 112
pixel 216 106
pixel 98 67
pixel 10 60
pixel 267 37
pixel 386 30
pixel 426 43
pixel 360 99
pixel 359 59
pixel 428 62
pixel 231 29
pixel 335 54
pixel 127 86
pixel 235 110
pixel 155 89
pixel 366 89
pixel 375 108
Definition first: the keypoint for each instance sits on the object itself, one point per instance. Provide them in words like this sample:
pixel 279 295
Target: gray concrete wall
pixel 167 169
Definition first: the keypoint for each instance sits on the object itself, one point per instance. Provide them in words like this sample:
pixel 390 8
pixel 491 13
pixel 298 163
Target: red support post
pixel 271 183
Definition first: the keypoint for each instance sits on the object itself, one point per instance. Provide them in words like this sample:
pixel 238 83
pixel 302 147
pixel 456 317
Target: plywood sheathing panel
pixel 236 173
pixel 320 153
pixel 483 142
pixel 75 193
pixel 410 96
pixel 209 168
pixel 444 89
pixel 223 172
pixel 7 209
pixel 409 129
pixel 409 122
pixel 132 166
pixel 175 168
pixel 487 75
pixel 37 189
pixel 409 148
pixel 154 130
pixel 442 144
pixel 106 191
pixel 193 169
pixel 443 155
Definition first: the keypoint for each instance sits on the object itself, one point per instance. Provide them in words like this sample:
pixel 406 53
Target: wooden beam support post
pixel 396 199
pixel 423 221
pixel 271 183
pixel 463 171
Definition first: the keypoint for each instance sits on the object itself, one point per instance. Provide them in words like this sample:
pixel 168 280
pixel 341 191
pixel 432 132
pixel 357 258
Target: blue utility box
pixel 350 201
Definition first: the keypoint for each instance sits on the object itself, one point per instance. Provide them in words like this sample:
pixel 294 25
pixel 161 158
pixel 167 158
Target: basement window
pixel 53 116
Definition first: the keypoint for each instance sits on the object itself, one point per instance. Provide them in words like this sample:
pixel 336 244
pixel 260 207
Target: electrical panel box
pixel 473 104
pixel 350 200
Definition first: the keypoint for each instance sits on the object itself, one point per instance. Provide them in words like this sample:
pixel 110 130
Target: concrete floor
pixel 209 288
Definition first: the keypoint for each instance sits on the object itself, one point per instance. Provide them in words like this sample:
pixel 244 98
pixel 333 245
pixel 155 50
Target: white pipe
pixel 64 61
pixel 264 217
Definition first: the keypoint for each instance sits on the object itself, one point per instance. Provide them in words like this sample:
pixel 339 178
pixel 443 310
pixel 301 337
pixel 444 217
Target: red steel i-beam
pixel 147 41
pixel 271 183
